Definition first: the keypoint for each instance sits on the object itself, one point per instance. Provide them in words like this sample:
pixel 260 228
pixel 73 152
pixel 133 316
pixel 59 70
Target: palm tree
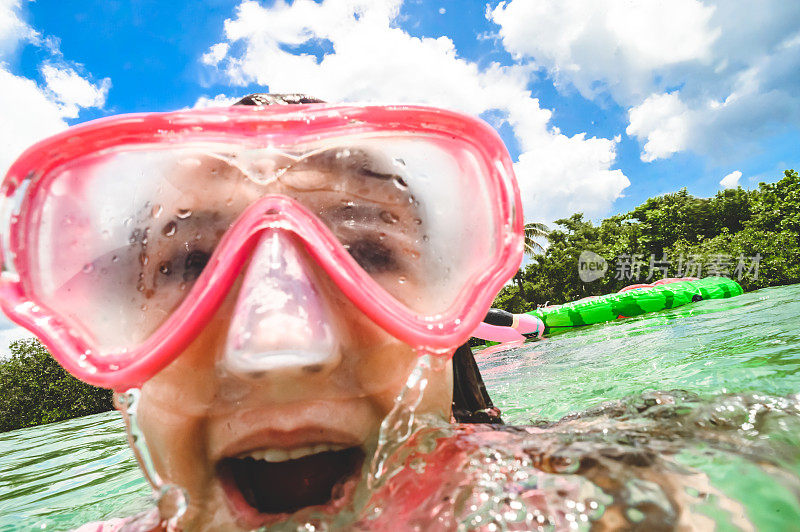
pixel 531 246
pixel 534 230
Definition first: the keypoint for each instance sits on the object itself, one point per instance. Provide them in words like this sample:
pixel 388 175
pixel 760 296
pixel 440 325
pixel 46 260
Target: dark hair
pixel 277 99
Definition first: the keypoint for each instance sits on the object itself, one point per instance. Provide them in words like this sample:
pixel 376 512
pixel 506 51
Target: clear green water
pixel 749 343
pixel 682 417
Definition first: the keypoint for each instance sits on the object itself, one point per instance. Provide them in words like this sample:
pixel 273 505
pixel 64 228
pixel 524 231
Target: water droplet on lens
pixel 183 213
pixel 389 217
pixel 169 229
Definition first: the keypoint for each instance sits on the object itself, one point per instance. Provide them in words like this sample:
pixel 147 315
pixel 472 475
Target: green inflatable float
pixel 636 301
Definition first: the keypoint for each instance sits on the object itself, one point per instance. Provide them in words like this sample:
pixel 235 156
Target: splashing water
pixel 170 501
pixel 683 418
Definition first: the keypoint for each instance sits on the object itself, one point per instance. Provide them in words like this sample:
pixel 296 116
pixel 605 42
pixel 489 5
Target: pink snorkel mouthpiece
pixel 280 321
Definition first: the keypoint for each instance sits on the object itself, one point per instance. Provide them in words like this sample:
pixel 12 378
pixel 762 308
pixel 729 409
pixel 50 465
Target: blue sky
pixel 602 103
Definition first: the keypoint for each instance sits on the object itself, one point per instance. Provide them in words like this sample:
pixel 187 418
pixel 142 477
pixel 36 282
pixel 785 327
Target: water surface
pixel 681 417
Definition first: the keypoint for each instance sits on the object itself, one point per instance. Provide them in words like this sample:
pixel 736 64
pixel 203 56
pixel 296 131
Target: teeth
pixel 282 455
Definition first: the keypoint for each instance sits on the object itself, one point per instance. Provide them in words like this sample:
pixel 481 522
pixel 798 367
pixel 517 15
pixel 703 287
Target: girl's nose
pixel 281 321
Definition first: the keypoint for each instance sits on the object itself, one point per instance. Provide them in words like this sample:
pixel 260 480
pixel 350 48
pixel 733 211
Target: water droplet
pixel 157 210
pixel 88 268
pixel 114 258
pixel 400 183
pixel 165 267
pixel 381 236
pixel 183 213
pixel 198 236
pixel 143 259
pixel 418 221
pixel 106 234
pixel 170 228
pixel 389 217
pixel 182 286
pixel 425 238
pixel 414 255
pixel 401 279
pixel 127 221
pixel 140 286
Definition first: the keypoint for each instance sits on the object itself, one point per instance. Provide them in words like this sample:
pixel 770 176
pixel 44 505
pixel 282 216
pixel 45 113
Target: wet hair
pixel 471 401
pixel 277 99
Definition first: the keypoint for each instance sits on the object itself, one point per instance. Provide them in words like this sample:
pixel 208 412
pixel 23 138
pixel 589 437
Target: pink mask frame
pixel 132 367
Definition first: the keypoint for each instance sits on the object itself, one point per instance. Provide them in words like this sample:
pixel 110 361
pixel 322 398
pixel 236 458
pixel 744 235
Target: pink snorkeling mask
pixel 122 237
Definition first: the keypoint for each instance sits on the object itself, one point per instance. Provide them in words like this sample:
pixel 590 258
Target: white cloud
pixel 731 180
pixel 29 115
pixel 13 30
pixel 720 72
pixel 374 60
pixel 661 119
pixel 31 112
pixel 72 91
pixel 215 54
pixel 220 100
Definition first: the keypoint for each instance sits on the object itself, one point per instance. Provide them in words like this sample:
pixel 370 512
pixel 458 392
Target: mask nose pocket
pixel 281 322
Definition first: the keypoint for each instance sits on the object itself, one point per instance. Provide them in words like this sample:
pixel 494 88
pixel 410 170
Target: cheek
pixel 177 444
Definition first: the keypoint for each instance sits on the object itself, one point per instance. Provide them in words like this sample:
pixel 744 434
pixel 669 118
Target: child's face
pixel 250 446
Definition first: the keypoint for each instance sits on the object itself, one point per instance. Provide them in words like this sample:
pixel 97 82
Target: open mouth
pixel 282 481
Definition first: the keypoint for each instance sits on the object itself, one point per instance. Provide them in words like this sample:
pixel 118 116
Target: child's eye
pixel 373 256
pixel 193 264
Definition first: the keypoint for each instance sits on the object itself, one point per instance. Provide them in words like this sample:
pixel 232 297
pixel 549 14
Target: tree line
pixel 752 236
pixel 35 389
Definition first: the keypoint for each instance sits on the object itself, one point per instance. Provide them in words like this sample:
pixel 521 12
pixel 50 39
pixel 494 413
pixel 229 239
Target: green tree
pixel 738 226
pixel 34 389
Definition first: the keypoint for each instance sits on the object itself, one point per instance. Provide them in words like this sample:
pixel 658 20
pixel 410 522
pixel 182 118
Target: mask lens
pixel 119 238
